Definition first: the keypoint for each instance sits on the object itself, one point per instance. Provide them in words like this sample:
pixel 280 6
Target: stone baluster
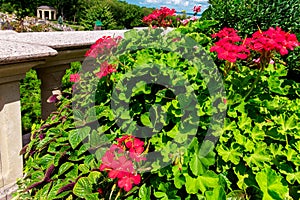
pixel 15 60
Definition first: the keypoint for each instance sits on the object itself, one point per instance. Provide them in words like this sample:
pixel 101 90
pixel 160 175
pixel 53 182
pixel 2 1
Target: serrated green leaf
pixel 231 154
pixel 144 192
pixel 271 185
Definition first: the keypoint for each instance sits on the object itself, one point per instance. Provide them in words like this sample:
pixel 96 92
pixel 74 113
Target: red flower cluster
pixel 102 46
pixel 197 9
pixel 74 78
pixel 272 39
pixel 226 47
pixel 105 69
pixel 158 16
pixel 119 163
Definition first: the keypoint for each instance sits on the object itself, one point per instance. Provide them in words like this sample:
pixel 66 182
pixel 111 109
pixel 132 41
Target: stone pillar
pixel 54 15
pixel 43 14
pixel 51 78
pixel 11 163
pixel 10 133
pixel 50 15
pixel 38 13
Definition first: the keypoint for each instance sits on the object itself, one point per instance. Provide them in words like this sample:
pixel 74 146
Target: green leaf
pixel 217 193
pixel 83 187
pixel 259 158
pixel 145 119
pixel 271 185
pixel 94 177
pixel 231 154
pixel 78 135
pixel 64 167
pixel 208 180
pixel 144 192
pixel 202 158
pixel 292 177
pixel 83 168
pixel 191 185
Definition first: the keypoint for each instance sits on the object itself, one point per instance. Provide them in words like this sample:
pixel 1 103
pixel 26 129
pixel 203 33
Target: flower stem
pixel 118 194
pixel 112 190
pixel 254 83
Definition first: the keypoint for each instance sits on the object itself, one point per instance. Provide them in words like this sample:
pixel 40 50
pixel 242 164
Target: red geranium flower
pixel 74 78
pixel 128 180
pixel 105 69
pixel 272 39
pixel 226 47
pixel 102 46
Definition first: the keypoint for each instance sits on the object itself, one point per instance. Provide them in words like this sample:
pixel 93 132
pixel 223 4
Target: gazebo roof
pixel 46 8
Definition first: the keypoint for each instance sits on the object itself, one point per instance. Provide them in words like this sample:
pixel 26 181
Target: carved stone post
pixel 51 78
pixel 11 163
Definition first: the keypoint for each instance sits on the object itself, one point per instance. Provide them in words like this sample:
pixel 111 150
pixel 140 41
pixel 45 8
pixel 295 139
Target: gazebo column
pixel 50 15
pixel 38 14
pixel 43 14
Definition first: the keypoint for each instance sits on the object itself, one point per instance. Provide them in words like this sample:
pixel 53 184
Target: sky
pixel 179 5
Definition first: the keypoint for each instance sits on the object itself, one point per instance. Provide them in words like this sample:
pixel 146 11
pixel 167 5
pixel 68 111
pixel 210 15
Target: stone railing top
pixel 31 46
pixel 15 52
pixel 63 40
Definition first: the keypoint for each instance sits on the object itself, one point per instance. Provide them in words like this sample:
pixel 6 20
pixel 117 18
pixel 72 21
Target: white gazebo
pixel 46 12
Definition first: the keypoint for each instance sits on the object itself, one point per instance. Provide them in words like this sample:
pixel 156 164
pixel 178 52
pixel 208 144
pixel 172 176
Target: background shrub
pixel 247 15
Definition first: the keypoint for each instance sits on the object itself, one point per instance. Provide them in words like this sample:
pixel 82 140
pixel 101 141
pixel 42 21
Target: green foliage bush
pixel 247 15
pixel 30 101
pixel 31 96
pixel 256 157
pixel 113 14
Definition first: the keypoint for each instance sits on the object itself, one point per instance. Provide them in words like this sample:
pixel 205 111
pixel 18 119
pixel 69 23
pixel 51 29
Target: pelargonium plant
pixel 266 44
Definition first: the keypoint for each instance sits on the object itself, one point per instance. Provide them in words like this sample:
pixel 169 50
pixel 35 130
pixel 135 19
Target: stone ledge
pixel 7 191
pixel 63 40
pixel 15 52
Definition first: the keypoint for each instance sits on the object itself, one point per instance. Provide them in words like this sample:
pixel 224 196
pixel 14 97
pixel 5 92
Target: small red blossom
pixel 100 191
pixel 74 78
pixel 103 46
pixel 227 34
pixel 105 69
pixel 197 9
pixel 128 180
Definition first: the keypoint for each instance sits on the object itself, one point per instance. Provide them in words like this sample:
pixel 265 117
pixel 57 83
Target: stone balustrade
pixel 50 53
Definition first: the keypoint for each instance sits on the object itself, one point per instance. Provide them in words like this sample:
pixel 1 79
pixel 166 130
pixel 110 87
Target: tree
pixel 98 11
